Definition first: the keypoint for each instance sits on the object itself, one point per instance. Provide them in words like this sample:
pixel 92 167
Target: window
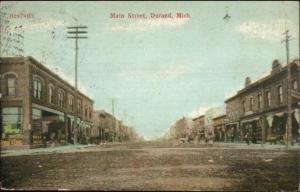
pixel 280 95
pixel 244 106
pixel 11 122
pixel 90 113
pixel 259 101
pixel 51 94
pixel 78 106
pixel 251 103
pixel 11 89
pixel 295 84
pixel 71 102
pixel 61 98
pixel 268 97
pixel 85 111
pixel 37 88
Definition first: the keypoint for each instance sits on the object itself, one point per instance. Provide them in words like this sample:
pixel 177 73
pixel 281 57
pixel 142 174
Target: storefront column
pixel 263 130
pixel 66 127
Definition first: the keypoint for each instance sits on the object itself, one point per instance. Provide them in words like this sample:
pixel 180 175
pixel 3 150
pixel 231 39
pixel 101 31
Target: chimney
pixel 247 81
pixel 276 66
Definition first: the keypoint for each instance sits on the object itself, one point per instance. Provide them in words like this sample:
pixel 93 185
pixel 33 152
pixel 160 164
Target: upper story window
pixel 51 94
pixel 91 113
pixel 268 98
pixel 280 95
pixel 259 101
pixel 11 86
pixel 295 84
pixel 10 83
pixel 78 106
pixel 37 88
pixel 71 102
pixel 244 106
pixel 85 111
pixel 251 103
pixel 61 96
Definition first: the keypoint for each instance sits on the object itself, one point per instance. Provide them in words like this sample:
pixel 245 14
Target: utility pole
pixel 75 31
pixel 289 97
pixel 114 118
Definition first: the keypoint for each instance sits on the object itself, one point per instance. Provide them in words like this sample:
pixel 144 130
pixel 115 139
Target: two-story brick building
pixel 260 108
pixel 38 106
pixel 198 128
pixel 107 128
pixel 219 128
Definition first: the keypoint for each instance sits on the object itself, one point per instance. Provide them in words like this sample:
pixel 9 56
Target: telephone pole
pixel 75 31
pixel 289 97
pixel 114 118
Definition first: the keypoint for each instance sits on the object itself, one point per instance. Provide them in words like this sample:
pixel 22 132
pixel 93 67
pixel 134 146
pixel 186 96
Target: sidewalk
pixel 258 146
pixel 39 151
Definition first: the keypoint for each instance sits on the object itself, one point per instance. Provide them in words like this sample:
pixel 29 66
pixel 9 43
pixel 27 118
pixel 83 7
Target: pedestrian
pixel 247 138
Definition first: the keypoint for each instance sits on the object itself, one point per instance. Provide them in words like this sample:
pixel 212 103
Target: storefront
pixel 232 132
pixel 252 127
pixel 48 126
pixel 11 132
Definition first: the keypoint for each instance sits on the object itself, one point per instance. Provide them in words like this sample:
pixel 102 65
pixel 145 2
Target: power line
pixel 289 99
pixel 76 33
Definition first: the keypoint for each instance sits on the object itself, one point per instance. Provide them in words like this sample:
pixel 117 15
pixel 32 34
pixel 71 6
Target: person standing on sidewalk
pixel 247 138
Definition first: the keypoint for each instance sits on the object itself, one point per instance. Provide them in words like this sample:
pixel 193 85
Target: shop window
pixel 280 95
pixel 37 88
pixel 11 122
pixel 36 114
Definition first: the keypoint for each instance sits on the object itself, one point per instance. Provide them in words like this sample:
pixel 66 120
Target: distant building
pixel 209 115
pixel 107 128
pixel 260 108
pixel 219 128
pixel 183 128
pixel 198 128
pixel 38 106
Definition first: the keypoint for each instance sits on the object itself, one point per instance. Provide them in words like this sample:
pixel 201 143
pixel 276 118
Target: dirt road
pixel 155 166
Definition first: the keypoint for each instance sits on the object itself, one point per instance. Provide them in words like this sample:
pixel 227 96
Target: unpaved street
pixel 155 166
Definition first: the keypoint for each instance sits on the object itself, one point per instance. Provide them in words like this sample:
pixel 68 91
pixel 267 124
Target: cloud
pixel 271 30
pixel 172 72
pixel 149 24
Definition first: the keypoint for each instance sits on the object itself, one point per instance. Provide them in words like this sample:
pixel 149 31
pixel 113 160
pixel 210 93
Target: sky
pixel 157 70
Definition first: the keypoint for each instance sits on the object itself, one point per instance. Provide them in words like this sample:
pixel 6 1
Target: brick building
pixel 198 128
pixel 260 108
pixel 219 128
pixel 38 106
pixel 107 128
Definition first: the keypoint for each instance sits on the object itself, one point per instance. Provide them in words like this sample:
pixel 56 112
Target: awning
pixel 249 120
pixel 34 105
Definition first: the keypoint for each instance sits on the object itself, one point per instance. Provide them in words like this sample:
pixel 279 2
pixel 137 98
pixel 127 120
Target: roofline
pixel 198 117
pixel 34 61
pixel 241 91
pixel 219 116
